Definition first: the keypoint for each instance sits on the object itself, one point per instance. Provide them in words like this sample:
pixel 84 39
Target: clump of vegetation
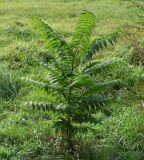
pixel 124 134
pixel 138 3
pixel 74 79
pixel 9 83
pixel 138 57
pixel 19 59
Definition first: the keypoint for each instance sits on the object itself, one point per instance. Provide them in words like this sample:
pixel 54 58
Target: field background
pixel 24 137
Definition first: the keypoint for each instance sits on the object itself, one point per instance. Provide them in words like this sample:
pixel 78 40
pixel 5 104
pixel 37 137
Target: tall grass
pixel 9 83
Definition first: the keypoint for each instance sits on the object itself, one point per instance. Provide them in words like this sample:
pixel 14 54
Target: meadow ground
pixel 24 136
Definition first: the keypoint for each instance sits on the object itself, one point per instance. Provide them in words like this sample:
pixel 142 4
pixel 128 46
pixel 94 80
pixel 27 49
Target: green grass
pixel 27 136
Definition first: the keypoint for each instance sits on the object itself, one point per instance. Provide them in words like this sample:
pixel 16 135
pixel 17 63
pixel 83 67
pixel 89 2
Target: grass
pixel 27 136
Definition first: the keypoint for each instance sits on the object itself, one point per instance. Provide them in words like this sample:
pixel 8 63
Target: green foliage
pixel 82 36
pixel 72 79
pixel 99 44
pixel 55 42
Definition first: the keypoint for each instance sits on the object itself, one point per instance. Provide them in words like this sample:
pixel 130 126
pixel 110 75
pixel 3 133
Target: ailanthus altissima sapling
pixel 72 76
